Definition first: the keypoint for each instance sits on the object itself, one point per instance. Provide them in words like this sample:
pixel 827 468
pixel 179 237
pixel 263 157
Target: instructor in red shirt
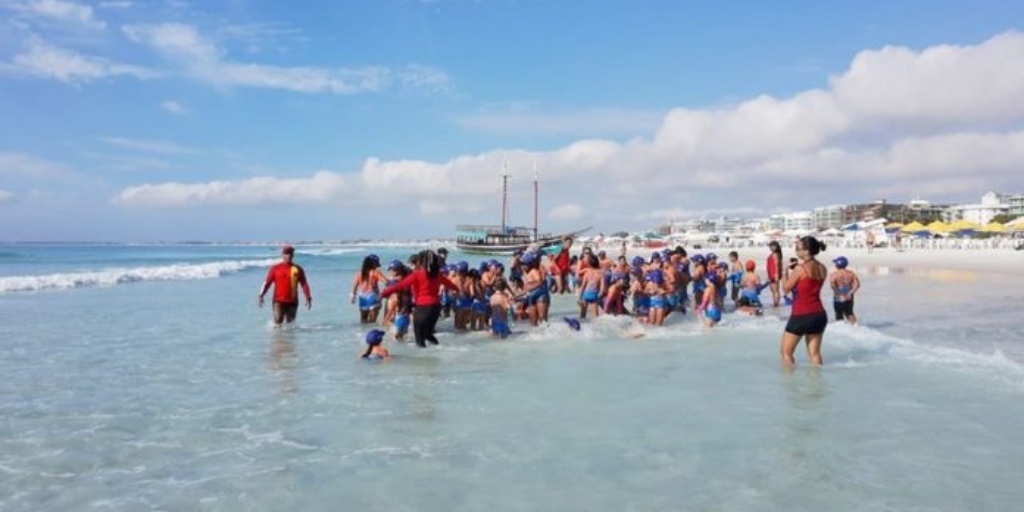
pixel 425 283
pixel 286 277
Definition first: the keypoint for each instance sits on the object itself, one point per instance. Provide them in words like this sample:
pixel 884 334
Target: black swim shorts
pixel 802 325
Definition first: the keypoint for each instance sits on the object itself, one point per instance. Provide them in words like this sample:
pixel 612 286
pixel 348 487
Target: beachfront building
pixel 795 221
pixel 829 216
pixel 682 226
pixel 922 211
pixel 725 224
pixel 991 205
pixel 1014 204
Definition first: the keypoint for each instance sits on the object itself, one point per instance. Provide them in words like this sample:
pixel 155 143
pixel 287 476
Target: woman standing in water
pixel 425 284
pixel 808 318
pixel 776 272
pixel 365 289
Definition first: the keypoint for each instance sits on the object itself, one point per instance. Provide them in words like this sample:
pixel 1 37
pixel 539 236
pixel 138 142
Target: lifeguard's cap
pixel 287 249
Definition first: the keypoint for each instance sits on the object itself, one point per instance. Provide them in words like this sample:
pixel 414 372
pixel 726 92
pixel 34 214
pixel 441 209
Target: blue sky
pixel 240 120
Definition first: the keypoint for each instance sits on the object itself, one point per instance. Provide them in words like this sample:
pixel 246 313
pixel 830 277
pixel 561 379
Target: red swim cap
pixel 751 265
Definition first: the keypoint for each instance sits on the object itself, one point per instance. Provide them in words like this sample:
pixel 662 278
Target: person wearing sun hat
pixel 844 283
pixel 286 277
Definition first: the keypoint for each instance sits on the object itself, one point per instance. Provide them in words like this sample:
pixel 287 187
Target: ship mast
pixel 536 233
pixel 504 192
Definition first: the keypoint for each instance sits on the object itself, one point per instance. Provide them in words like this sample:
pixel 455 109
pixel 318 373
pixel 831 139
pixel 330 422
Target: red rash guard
pixel 425 290
pixel 772 267
pixel 287 277
pixel 562 260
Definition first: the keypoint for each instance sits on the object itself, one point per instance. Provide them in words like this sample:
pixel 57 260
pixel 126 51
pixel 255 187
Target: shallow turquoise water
pixel 169 390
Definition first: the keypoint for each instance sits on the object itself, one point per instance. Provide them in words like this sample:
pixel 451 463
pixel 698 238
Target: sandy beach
pixel 1001 261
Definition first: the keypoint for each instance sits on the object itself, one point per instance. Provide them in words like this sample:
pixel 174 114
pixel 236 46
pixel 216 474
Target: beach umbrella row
pixel 960 226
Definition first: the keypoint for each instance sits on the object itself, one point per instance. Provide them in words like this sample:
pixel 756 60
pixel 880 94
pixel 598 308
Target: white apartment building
pixel 829 216
pixel 1014 204
pixel 798 221
pixel 982 213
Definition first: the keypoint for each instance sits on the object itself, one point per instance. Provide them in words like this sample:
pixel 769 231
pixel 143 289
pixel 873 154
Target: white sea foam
pixel 867 344
pixel 330 251
pixel 116 275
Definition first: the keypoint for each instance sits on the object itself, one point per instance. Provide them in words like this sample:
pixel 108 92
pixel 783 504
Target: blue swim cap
pixel 528 258
pixel 638 260
pixel 493 263
pixel 723 265
pixel 574 324
pixel 395 265
pixel 374 337
pixel 710 256
pixel 462 267
pixel 374 258
pixel 697 258
pixel 841 262
pixel 656 256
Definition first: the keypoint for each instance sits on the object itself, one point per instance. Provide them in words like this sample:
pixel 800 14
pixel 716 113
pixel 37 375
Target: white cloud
pixel 173 107
pixel 66 12
pixel 941 85
pixel 949 127
pixel 203 60
pixel 43 60
pixel 322 187
pixel 6 197
pixel 148 146
pixel 567 212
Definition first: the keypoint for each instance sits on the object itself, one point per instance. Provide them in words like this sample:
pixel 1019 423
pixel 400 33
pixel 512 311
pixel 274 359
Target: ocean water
pixel 146 378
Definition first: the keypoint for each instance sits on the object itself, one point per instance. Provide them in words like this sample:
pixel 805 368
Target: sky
pixel 171 120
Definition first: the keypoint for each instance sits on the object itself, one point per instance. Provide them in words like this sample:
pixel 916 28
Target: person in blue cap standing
pixel 844 283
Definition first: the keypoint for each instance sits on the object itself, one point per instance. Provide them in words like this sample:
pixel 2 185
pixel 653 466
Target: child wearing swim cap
pixel 375 346
pixel 501 303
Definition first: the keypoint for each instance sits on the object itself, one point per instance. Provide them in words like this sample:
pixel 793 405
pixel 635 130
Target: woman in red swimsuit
pixel 776 272
pixel 808 318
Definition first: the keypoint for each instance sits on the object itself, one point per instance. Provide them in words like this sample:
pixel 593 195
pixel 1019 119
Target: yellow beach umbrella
pixel 993 227
pixel 914 227
pixel 938 227
pixel 892 225
pixel 962 225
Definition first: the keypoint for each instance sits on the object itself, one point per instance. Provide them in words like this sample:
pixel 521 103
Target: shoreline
pixel 997 261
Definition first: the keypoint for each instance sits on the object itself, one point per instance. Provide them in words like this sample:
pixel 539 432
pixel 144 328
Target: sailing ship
pixel 505 239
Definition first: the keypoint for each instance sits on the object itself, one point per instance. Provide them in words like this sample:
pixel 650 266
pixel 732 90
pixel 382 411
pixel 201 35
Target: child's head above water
pixel 374 337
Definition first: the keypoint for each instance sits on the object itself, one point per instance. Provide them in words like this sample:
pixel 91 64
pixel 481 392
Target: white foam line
pixel 116 276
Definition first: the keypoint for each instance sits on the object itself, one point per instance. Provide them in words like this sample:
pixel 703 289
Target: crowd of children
pixel 492 295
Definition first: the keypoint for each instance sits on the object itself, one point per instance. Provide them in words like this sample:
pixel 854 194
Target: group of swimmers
pixel 419 291
pixel 489 295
